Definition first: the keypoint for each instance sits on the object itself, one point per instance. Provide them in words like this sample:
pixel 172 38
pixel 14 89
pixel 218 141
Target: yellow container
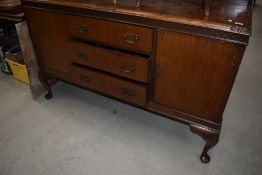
pixel 19 71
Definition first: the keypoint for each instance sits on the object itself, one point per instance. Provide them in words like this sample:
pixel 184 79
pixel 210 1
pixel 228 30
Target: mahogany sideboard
pixel 164 56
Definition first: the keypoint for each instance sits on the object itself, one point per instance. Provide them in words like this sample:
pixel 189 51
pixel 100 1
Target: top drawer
pixel 113 33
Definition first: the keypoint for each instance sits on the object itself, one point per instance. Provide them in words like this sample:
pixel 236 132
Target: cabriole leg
pixel 44 80
pixel 211 136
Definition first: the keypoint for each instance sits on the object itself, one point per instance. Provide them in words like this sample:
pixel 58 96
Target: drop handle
pixel 81 28
pixel 127 68
pixel 234 61
pixel 84 78
pixel 130 38
pixel 127 92
pixel 81 55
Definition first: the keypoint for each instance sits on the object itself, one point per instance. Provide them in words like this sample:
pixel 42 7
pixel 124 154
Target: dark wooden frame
pixel 208 130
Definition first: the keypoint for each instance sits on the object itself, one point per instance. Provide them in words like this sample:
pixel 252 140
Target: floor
pixel 79 132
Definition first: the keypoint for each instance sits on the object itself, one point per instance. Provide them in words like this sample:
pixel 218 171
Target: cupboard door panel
pixel 194 74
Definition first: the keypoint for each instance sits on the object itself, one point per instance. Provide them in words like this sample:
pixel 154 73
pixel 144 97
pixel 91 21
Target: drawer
pixel 119 63
pixel 113 33
pixel 130 92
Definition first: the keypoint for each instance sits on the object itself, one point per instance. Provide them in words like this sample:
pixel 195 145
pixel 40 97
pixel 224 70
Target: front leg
pixel 44 80
pixel 211 136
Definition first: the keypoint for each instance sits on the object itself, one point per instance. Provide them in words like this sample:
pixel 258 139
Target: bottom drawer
pixel 106 84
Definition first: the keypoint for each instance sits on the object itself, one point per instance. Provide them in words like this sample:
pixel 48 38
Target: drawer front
pixel 106 84
pixel 113 33
pixel 129 66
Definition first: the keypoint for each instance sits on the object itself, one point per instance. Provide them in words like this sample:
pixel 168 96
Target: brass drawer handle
pixel 84 78
pixel 131 38
pixel 128 68
pixel 81 28
pixel 127 92
pixel 81 55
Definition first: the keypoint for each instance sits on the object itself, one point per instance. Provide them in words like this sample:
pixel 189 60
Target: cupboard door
pixel 193 74
pixel 49 35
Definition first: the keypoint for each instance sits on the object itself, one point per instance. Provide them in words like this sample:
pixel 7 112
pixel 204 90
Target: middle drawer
pixel 112 61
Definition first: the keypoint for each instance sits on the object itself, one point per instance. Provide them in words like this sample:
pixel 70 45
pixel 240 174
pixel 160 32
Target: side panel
pixel 49 34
